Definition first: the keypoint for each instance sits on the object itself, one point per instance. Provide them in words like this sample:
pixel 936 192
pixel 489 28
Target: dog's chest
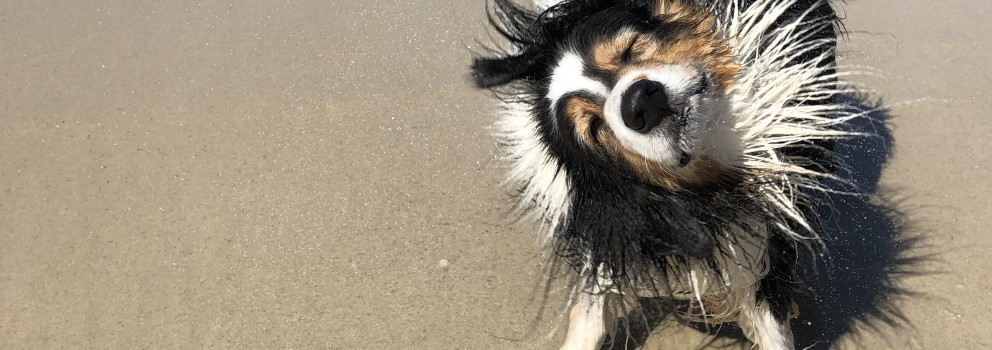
pixel 740 262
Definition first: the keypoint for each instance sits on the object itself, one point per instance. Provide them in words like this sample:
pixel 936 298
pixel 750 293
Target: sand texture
pixel 319 174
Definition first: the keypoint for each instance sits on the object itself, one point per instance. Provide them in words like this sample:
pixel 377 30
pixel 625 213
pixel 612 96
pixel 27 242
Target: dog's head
pixel 634 87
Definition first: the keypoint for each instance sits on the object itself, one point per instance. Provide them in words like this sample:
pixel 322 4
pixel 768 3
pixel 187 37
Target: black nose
pixel 644 106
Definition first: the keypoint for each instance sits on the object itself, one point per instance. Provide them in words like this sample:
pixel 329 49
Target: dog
pixel 671 149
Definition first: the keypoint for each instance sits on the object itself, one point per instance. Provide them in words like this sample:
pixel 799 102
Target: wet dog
pixel 670 148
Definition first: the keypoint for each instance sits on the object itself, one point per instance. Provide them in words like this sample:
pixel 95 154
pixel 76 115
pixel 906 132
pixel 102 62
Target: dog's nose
pixel 645 105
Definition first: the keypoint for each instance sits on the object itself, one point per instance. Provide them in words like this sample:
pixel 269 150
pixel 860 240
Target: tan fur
pixel 673 7
pixel 697 44
pixel 582 113
pixel 698 173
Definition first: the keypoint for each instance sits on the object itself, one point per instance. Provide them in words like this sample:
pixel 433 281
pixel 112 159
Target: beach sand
pixel 320 174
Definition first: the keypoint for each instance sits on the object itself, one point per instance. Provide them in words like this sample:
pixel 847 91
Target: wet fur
pixel 729 247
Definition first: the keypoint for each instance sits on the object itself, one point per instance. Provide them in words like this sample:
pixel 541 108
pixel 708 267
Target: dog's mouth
pixel 680 122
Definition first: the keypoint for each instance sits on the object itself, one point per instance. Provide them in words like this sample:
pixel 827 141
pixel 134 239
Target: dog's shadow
pixel 853 285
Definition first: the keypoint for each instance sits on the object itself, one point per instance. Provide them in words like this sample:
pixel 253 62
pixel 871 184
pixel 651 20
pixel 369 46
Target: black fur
pixel 633 229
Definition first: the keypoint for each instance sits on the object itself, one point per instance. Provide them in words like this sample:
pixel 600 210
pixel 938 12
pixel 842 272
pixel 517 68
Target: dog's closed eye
pixel 596 125
pixel 628 54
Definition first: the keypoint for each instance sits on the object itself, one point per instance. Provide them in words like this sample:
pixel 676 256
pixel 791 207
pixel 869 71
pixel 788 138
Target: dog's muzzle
pixel 645 105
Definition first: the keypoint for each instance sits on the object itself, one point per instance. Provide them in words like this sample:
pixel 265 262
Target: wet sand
pixel 319 174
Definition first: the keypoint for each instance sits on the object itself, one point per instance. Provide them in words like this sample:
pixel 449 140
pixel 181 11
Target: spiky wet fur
pixel 719 249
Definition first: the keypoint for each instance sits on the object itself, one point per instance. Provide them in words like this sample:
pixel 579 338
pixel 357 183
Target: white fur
pixel 544 195
pixel 765 123
pixel 589 323
pixel 760 325
pixel 658 145
pixel 765 120
pixel 569 77
pixel 544 4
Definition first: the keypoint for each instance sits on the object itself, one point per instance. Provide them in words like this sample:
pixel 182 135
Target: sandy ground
pixel 318 174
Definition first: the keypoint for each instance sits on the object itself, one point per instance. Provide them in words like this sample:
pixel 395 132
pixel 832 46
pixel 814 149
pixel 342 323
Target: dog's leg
pixel 588 322
pixel 768 329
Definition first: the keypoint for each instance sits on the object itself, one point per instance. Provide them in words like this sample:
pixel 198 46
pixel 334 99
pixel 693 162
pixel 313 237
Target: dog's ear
pixel 492 72
pixel 635 221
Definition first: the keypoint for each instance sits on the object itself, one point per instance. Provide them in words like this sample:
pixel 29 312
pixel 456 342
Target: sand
pixel 319 174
